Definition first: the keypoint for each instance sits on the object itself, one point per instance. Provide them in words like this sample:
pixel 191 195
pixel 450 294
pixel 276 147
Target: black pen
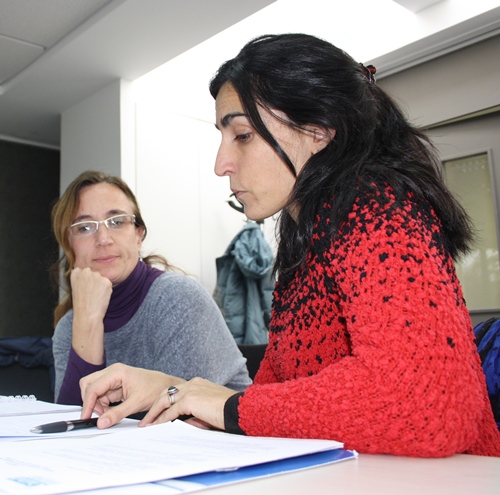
pixel 62 426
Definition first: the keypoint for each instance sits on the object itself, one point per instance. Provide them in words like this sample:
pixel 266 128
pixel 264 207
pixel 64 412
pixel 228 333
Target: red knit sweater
pixel 371 343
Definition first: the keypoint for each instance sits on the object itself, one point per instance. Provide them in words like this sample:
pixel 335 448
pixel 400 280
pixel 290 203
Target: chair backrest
pixel 27 367
pixel 18 380
pixel 488 345
pixel 254 354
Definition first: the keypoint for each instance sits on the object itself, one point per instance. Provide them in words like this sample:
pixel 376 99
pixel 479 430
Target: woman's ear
pixel 140 236
pixel 321 138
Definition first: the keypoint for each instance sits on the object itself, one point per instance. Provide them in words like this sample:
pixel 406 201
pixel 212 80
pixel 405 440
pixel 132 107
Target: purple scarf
pixel 129 295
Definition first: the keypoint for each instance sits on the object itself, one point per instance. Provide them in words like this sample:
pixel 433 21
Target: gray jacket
pixel 245 286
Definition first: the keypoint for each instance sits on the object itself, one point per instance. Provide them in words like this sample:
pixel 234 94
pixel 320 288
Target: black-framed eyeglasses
pixel 89 227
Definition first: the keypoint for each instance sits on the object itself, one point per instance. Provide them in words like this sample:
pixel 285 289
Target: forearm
pixel 88 338
pixel 392 410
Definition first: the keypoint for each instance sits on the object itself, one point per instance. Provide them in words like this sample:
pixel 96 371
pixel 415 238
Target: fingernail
pixel 104 423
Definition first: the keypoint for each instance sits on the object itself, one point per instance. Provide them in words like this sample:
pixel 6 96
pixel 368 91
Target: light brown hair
pixel 63 215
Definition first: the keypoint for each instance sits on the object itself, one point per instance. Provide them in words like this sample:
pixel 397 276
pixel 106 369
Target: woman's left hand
pixel 198 397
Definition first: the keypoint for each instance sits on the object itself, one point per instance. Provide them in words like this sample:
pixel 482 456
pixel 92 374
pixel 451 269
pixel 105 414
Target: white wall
pixel 451 87
pixel 366 29
pixel 167 160
pixel 182 200
pixel 98 133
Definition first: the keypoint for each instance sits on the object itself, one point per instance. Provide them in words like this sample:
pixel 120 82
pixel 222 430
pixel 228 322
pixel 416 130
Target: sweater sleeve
pixel 190 336
pixel 411 384
pixel 76 368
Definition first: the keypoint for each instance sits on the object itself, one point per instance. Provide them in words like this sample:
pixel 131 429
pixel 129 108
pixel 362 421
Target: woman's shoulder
pixel 374 204
pixel 176 283
pixel 67 317
pixel 172 294
pixel 379 202
pixel 381 216
pixel 65 324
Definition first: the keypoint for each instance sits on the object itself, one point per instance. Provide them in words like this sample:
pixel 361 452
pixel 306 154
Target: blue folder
pixel 213 478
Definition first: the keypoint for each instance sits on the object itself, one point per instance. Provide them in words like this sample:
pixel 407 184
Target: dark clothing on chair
pixel 27 367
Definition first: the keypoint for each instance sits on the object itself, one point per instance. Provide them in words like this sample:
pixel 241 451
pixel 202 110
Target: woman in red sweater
pixel 370 342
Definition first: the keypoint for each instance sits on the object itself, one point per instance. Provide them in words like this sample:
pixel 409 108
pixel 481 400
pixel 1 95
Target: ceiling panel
pixel 44 22
pixel 55 53
pixel 102 40
pixel 29 28
pixel 416 5
pixel 15 56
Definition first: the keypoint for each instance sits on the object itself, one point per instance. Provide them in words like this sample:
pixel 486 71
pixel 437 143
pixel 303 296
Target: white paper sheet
pixel 14 428
pixel 15 406
pixel 141 455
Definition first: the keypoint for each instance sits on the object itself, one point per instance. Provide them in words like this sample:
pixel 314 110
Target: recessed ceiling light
pixel 416 5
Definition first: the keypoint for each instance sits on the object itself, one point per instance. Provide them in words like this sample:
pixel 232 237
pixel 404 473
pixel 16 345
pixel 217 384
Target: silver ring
pixel 171 391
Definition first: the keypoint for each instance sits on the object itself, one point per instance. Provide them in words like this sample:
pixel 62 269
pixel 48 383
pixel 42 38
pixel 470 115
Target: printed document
pixel 140 455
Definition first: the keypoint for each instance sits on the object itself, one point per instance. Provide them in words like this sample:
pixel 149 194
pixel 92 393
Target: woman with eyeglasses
pixel 120 308
pixel 370 341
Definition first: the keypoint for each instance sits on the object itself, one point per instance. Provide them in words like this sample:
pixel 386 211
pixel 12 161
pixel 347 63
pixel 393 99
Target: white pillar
pixel 98 134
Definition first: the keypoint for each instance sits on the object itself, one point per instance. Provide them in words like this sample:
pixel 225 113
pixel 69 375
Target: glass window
pixel 479 272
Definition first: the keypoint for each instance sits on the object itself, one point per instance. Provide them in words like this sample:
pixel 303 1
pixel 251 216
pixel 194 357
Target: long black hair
pixel 315 83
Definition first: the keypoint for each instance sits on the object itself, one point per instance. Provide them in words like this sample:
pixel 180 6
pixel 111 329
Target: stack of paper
pixel 168 458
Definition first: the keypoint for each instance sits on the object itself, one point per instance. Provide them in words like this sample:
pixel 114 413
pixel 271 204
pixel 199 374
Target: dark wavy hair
pixel 315 83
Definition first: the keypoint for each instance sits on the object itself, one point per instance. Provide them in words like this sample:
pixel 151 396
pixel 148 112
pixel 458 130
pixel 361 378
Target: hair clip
pixel 369 71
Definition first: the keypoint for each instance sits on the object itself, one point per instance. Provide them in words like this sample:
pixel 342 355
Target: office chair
pixel 27 367
pixel 254 354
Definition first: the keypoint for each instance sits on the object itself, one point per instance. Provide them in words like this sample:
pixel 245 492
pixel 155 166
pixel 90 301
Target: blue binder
pixel 214 478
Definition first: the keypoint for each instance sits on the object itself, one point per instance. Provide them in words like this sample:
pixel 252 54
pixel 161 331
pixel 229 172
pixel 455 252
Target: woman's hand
pixel 198 397
pixel 91 293
pixel 135 388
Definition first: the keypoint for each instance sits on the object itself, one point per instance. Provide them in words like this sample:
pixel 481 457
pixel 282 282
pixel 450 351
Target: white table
pixel 382 475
